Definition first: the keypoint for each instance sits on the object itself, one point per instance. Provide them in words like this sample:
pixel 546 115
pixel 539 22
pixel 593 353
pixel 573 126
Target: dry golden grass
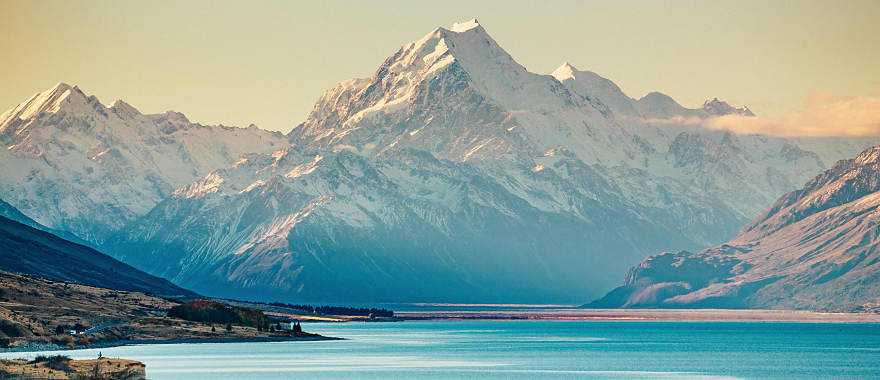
pixel 103 368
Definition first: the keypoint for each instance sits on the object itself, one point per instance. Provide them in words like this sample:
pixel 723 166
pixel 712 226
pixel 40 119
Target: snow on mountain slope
pixel 815 248
pixel 717 107
pixel 652 106
pixel 457 94
pixel 74 164
pixel 401 227
pixel 451 174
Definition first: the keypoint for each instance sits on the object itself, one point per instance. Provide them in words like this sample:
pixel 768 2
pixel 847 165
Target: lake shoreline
pixel 25 349
pixel 645 315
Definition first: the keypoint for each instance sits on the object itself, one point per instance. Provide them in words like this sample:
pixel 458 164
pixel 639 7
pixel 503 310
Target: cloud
pixel 822 115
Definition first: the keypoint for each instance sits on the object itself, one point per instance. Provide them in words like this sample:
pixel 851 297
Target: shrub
pixel 56 362
pixel 11 329
pixel 212 312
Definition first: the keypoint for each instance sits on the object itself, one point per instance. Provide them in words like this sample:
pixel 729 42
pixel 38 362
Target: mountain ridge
pixel 815 248
pixel 64 141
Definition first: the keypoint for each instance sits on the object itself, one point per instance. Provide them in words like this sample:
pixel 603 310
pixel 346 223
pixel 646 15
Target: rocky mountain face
pixel 815 248
pixel 404 226
pixel 450 174
pixel 73 164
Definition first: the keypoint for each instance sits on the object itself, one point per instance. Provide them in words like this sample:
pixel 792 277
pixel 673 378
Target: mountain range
pixel 451 174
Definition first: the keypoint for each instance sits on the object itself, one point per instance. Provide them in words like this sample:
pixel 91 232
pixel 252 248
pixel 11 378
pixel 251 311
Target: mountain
pixel 407 226
pixel 717 107
pixel 31 251
pixel 654 105
pixel 815 248
pixel 75 165
pixel 455 174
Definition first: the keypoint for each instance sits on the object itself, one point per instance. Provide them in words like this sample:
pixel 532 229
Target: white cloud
pixel 822 115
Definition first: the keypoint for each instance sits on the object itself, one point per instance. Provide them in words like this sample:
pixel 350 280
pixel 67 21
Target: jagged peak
pixel 60 87
pixel 61 96
pixel 565 71
pixel 847 181
pixel 717 107
pixel 458 31
pixel 170 121
pixel 868 156
pixel 120 106
pixel 174 117
pixel 464 26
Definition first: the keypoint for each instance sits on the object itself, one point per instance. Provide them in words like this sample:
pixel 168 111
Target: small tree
pixel 213 329
pixel 228 327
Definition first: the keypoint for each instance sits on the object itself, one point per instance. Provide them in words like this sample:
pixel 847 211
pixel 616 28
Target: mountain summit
pixel 717 107
pixel 74 164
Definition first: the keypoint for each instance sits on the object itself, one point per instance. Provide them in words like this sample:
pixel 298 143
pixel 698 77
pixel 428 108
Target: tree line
pixel 337 310
pixel 206 311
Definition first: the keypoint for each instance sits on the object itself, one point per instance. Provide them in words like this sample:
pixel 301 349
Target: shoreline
pixel 135 342
pixel 646 315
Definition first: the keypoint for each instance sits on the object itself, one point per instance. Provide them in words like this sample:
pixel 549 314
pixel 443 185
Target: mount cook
pixel 451 174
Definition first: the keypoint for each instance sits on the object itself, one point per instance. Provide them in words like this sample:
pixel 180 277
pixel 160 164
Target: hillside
pixel 39 314
pixel 816 248
pixel 27 250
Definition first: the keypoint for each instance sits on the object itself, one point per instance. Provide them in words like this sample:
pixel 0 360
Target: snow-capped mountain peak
pixel 77 165
pixel 565 71
pixel 61 97
pixel 120 107
pixel 715 107
pixel 464 26
pixel 597 88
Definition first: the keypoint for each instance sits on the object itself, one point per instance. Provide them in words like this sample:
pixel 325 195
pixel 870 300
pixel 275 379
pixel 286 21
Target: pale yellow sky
pixel 266 62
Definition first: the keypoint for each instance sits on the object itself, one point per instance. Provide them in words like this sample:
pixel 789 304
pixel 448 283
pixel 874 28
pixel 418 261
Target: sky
pixel 267 62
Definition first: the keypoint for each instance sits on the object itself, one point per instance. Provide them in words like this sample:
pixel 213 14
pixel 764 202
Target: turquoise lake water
pixel 529 350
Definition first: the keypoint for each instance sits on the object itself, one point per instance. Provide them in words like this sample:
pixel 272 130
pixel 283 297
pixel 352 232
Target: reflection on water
pixel 529 350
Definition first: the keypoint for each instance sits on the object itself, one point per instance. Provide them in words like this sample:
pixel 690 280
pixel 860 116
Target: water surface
pixel 529 350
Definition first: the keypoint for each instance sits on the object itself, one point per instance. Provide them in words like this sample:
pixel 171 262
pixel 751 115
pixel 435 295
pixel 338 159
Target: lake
pixel 529 350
